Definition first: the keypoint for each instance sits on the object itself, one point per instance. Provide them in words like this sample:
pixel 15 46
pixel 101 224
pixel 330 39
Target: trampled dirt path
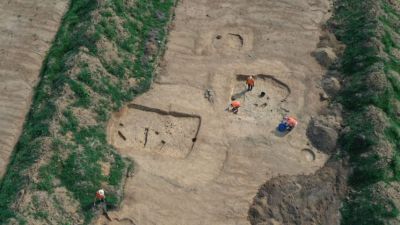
pixel 196 163
pixel 27 28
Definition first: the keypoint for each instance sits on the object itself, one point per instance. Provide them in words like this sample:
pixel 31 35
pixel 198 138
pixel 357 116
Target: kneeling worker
pixel 235 106
pixel 100 196
pixel 291 122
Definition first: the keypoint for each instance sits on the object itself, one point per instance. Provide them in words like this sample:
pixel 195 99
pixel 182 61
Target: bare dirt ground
pixel 197 163
pixel 27 28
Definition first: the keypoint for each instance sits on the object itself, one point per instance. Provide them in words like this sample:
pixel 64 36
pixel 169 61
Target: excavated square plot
pixel 268 96
pixel 153 131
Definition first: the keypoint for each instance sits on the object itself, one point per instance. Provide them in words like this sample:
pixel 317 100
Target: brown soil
pixel 205 165
pixel 27 28
pixel 301 200
pixel 171 134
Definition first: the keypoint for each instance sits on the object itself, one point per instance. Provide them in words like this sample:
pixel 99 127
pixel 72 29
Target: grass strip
pixel 76 161
pixel 364 26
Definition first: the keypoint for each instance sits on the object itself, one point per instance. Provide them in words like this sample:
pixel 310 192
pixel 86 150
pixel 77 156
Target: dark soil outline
pixel 311 152
pixel 125 219
pixel 243 77
pixel 240 38
pixel 174 114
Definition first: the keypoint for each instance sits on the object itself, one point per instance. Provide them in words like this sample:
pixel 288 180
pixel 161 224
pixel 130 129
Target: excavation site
pixel 199 112
pixel 195 162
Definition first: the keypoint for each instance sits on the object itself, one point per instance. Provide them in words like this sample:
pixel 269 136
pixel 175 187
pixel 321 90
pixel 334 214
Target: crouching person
pixel 100 197
pixel 235 106
pixel 291 122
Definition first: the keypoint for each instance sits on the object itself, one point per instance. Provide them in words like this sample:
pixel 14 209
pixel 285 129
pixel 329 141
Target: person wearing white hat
pixel 250 83
pixel 100 196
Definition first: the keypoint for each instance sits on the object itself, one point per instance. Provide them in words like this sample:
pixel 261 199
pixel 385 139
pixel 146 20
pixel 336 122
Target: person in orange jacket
pixel 235 106
pixel 290 121
pixel 250 83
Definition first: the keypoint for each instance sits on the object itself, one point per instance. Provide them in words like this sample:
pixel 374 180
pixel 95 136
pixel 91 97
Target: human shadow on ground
pixel 279 133
pixel 99 206
pixel 239 95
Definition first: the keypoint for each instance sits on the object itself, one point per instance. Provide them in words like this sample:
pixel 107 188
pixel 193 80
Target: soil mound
pixel 325 56
pixel 331 85
pixel 301 200
pixel 323 137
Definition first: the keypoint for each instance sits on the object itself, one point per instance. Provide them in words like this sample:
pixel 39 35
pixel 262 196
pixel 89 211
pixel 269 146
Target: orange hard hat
pixel 235 104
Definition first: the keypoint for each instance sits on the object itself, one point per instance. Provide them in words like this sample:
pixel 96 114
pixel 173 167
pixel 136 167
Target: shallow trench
pixel 187 174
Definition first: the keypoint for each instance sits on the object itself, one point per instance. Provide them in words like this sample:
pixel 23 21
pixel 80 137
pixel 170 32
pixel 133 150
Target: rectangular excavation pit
pixel 149 130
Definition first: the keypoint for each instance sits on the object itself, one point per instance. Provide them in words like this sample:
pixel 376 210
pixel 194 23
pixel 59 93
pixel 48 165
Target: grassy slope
pixel 362 25
pixel 75 161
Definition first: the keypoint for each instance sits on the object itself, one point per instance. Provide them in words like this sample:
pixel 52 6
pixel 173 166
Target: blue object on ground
pixel 282 127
